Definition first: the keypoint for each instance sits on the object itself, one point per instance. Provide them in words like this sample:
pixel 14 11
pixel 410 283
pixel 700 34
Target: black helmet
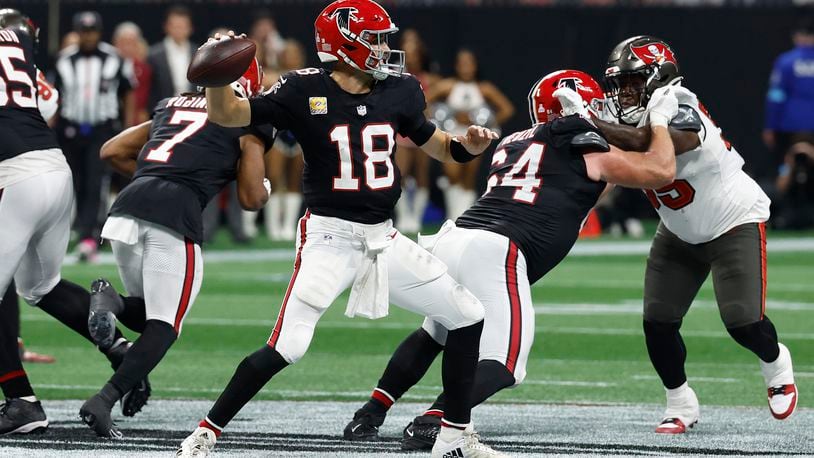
pixel 642 55
pixel 13 19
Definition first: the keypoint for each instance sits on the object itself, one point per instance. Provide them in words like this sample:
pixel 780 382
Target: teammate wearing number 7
pixel 179 161
pixel 712 220
pixel 543 182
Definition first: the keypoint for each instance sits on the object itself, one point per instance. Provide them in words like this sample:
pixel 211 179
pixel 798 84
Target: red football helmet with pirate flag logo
pixel 647 59
pixel 544 107
pixel 356 32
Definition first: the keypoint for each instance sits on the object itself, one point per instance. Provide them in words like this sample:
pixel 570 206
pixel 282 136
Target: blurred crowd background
pixel 751 63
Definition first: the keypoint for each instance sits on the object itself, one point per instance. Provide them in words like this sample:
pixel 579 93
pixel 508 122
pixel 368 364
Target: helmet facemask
pixel 631 87
pixel 378 61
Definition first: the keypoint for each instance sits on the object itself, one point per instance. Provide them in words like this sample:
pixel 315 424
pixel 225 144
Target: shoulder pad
pixel 590 141
pixel 687 119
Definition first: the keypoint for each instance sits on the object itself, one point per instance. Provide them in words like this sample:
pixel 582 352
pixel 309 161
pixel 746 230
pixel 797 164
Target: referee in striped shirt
pixel 95 85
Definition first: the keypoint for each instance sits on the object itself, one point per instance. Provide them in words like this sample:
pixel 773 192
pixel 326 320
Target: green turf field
pixel 588 349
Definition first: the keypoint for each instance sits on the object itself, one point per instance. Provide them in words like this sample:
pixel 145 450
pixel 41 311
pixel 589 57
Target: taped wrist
pixel 658 119
pixel 459 152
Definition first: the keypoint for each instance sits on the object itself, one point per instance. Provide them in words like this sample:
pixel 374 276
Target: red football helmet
pixel 251 82
pixel 356 32
pixel 544 107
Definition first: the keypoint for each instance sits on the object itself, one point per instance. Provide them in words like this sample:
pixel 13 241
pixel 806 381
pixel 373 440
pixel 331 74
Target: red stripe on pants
pixel 12 375
pixel 275 334
pixel 515 316
pixel 762 230
pixel 186 291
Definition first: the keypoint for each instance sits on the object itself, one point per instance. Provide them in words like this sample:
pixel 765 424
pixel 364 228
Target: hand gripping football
pixel 218 63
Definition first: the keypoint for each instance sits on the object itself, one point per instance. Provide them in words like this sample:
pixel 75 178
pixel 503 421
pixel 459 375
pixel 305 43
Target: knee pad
pixel 318 281
pixel 293 344
pixel 435 330
pixel 469 308
pixel 33 294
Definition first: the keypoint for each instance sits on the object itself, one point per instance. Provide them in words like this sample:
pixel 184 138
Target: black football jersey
pixel 22 128
pixel 539 191
pixel 348 140
pixel 185 163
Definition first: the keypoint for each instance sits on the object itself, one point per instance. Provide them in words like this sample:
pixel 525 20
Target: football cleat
pixel 364 427
pixel 134 400
pixel 198 444
pixel 96 414
pixel 421 433
pixel 779 378
pixel 105 303
pixel 466 446
pixel 18 416
pixel 681 414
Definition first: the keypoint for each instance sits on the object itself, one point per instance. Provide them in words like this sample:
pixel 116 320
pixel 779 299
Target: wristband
pixel 459 152
pixel 658 119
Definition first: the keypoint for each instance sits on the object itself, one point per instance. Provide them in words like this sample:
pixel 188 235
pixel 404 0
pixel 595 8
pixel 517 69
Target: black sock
pixel 458 371
pixel 490 377
pixel 250 376
pixel 759 337
pixel 70 303
pixel 667 352
pixel 134 315
pixel 13 379
pixel 409 363
pixel 10 310
pixel 146 352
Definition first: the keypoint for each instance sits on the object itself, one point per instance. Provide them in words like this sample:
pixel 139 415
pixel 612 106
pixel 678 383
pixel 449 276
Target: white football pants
pixel 35 224
pixel 329 254
pixel 492 267
pixel 161 266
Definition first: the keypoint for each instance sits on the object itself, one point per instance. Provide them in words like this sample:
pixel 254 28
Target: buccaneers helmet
pixel 250 83
pixel 356 32
pixel 648 57
pixel 11 18
pixel 544 107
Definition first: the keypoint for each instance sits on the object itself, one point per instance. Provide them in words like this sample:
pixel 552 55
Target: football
pixel 221 62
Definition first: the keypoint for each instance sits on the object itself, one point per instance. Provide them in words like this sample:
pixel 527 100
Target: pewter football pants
pixel 35 224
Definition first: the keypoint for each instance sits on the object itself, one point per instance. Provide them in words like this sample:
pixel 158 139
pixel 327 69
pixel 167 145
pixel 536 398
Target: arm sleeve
pixel 414 124
pixel 776 96
pixel 687 119
pixel 275 105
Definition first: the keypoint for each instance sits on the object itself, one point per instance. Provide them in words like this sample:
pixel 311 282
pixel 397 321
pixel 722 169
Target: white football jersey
pixel 711 194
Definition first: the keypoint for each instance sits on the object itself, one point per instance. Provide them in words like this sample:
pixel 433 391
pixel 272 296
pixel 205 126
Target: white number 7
pixel 197 120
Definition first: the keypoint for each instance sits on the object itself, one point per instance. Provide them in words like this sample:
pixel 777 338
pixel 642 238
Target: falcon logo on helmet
pixel 638 66
pixel 356 32
pixel 343 17
pixel 544 107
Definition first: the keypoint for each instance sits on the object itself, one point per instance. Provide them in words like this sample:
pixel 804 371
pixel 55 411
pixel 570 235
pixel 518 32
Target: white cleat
pixel 779 378
pixel 199 444
pixel 682 411
pixel 466 446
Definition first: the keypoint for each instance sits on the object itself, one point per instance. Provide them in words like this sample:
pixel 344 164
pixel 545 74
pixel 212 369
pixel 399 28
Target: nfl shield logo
pixel 362 110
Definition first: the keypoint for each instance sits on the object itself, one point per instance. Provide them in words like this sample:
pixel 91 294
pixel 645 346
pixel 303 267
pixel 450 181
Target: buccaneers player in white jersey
pixel 712 220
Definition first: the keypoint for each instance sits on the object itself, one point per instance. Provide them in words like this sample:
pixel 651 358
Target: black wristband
pixel 459 152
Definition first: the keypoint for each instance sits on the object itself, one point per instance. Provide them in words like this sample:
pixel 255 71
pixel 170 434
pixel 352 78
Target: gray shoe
pixel 18 416
pixel 105 304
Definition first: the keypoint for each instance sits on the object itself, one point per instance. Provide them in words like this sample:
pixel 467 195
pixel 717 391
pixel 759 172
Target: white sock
pixel 273 215
pixel 677 395
pixel 451 197
pixel 31 398
pixel 779 371
pixel 291 213
pixel 403 212
pixel 450 434
pixel 249 220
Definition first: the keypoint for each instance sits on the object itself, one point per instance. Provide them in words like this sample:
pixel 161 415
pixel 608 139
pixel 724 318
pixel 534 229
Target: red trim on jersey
pixel 275 334
pixel 379 395
pixel 186 291
pixel 515 317
pixel 762 230
pixel 12 375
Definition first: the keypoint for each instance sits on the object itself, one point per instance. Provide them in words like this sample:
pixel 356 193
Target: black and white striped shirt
pixel 90 84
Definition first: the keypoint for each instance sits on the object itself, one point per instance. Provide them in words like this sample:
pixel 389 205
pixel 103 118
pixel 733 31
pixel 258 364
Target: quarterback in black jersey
pixel 36 195
pixel 346 121
pixel 179 161
pixel 543 182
